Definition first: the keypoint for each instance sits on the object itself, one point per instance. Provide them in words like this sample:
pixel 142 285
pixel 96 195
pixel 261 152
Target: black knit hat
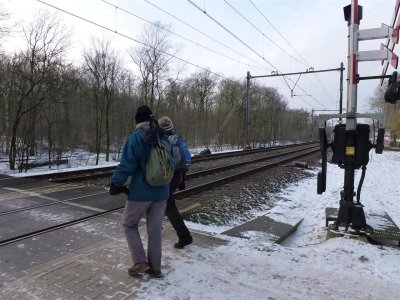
pixel 143 114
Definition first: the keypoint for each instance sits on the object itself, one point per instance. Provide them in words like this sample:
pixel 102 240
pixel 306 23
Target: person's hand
pixel 115 190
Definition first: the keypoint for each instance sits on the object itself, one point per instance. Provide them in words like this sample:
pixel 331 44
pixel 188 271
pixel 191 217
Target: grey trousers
pixel 154 211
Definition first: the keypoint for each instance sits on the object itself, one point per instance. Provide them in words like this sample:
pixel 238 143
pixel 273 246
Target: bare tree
pixel 55 113
pixel 103 69
pixel 46 42
pixel 201 87
pixel 153 62
pixel 377 104
pixel 4 17
pixel 230 113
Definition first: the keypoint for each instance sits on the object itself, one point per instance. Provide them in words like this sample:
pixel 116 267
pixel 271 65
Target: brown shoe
pixel 138 268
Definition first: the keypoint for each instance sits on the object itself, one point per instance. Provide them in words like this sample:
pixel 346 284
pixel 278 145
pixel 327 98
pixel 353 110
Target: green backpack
pixel 160 166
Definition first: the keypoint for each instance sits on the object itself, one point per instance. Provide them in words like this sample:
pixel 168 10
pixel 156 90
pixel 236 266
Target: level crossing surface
pixel 70 262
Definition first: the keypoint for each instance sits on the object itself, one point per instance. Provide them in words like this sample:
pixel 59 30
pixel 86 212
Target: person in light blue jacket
pixel 143 199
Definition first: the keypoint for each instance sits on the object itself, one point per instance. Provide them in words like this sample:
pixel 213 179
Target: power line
pixel 231 33
pixel 280 34
pixel 201 32
pixel 254 51
pixel 290 45
pixel 262 33
pixel 132 39
pixel 208 36
pixel 178 35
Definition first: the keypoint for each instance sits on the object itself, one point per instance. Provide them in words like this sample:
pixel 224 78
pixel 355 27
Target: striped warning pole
pixel 353 15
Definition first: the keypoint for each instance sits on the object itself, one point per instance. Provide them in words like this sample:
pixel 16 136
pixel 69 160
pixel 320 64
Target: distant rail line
pixel 101 172
pixel 222 175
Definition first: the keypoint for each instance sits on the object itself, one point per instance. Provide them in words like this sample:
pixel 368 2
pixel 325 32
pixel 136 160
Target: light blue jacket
pixel 135 155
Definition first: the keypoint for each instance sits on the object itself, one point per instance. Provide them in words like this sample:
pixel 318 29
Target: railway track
pixel 101 172
pixel 225 174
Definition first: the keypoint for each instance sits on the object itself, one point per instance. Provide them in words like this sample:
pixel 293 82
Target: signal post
pixel 351 144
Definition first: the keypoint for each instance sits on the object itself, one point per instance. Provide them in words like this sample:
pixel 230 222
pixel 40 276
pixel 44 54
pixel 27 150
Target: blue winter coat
pixel 133 162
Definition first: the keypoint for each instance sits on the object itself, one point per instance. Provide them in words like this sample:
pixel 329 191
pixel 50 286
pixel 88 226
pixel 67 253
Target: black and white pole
pixel 350 212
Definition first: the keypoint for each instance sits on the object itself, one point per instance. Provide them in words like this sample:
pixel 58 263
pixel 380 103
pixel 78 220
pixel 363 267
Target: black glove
pixel 115 190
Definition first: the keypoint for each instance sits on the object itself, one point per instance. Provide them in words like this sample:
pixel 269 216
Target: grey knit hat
pixel 166 123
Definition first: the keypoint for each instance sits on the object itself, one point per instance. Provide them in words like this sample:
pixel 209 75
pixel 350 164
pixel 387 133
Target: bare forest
pixel 50 106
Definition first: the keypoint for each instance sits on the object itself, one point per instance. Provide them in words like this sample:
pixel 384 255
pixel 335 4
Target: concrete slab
pixel 277 231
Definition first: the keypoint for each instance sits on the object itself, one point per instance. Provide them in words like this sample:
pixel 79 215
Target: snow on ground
pixel 306 266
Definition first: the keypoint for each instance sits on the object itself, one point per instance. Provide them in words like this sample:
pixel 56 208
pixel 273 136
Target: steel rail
pixel 235 165
pixel 105 171
pixel 177 195
pixel 26 208
pixel 203 187
pixel 188 177
pixel 245 152
pixel 59 226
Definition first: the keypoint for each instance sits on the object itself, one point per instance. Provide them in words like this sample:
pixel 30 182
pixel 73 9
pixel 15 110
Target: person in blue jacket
pixel 177 181
pixel 143 199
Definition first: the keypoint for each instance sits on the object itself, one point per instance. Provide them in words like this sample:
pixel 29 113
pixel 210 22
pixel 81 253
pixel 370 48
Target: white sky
pixel 315 28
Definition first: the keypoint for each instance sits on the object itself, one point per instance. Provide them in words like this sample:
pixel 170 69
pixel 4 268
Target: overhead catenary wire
pixel 282 36
pixel 263 34
pixel 246 45
pixel 210 37
pixel 132 39
pixel 235 36
pixel 201 32
pixel 180 36
pixel 295 50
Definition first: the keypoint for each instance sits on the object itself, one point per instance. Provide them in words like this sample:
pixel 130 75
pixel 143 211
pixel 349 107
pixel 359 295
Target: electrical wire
pixel 262 33
pixel 178 35
pixel 132 39
pixel 246 45
pixel 206 35
pixel 137 41
pixel 201 32
pixel 280 34
pixel 291 46
pixel 231 33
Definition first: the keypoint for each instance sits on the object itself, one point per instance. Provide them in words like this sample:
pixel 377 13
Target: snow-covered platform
pixel 384 228
pixel 277 231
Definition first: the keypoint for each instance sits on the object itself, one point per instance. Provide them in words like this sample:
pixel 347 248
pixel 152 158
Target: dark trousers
pixel 175 217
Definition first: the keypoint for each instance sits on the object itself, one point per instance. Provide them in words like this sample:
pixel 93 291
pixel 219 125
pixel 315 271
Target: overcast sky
pixel 315 29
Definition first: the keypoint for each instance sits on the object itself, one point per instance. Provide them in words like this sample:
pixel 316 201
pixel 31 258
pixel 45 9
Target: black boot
pixel 183 242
